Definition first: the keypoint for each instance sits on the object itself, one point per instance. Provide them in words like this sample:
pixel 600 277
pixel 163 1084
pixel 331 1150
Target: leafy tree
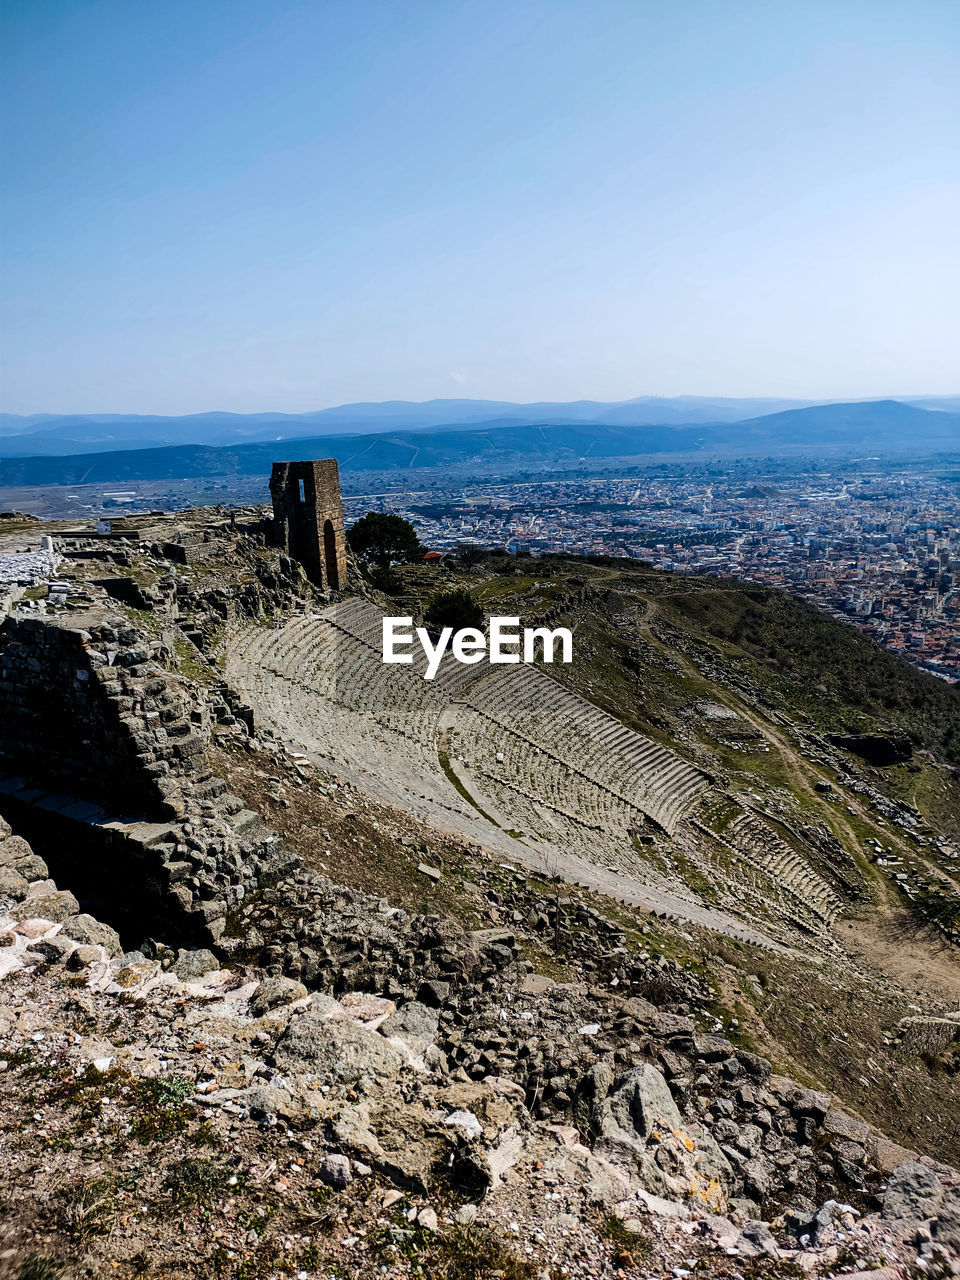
pixel 456 608
pixel 380 539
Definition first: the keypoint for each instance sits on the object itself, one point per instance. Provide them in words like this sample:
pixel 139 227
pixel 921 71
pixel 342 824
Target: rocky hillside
pixel 165 1114
pixel 279 1023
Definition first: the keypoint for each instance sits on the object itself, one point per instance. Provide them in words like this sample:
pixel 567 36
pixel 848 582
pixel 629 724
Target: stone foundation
pixel 96 736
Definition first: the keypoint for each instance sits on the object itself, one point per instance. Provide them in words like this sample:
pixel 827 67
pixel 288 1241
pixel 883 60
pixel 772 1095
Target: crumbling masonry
pixel 308 519
pixel 104 748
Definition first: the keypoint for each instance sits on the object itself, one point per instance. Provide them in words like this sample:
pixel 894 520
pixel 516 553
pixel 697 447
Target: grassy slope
pixel 823 673
pixel 824 667
pixel 650 646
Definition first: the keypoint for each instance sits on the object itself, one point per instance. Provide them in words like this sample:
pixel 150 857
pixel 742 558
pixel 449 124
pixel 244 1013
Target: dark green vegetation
pixel 455 608
pixel 198 1181
pixel 793 655
pixel 638 1247
pixel 821 666
pixel 158 1107
pixel 43 1268
pixel 461 1253
pixel 380 539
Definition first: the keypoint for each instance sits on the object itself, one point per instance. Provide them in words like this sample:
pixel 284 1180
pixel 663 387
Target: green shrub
pixel 456 608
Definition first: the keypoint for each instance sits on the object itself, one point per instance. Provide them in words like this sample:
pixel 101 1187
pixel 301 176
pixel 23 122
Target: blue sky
pixel 256 204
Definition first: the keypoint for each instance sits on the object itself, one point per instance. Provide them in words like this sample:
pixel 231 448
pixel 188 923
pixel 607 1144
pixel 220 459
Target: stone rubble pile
pixel 28 568
pixel 358 1087
pixel 40 921
pixel 773 1146
pixel 335 939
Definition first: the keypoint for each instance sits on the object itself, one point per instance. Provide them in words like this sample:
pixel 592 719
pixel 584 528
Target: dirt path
pixel 919 959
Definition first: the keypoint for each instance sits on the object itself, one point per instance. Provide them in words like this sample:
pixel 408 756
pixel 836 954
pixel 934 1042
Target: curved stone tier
pixel 573 757
pixel 504 755
pixel 555 765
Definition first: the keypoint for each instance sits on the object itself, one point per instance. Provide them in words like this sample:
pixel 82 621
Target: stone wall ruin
pixel 102 762
pixel 308 519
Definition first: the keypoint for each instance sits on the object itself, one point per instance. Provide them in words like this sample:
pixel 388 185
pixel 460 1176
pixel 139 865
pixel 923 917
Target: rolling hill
pixel 54 435
pixel 507 446
pixel 884 425
pixel 867 424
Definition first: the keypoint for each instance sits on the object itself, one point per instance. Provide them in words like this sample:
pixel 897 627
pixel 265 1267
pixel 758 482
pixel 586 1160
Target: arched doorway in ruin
pixel 332 573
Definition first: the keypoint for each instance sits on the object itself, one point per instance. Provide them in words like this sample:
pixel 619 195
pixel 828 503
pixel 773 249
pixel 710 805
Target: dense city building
pixel 880 551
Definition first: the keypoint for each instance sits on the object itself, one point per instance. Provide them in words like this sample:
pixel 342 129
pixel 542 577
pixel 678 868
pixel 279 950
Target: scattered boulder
pixel 640 1130
pixel 53 904
pixel 50 950
pixel 193 965
pixel 335 1172
pixel 338 1050
pixel 643 1103
pixel 86 929
pixel 914 1194
pixel 15 852
pixel 757 1238
pixel 829 1213
pixel 13 885
pixel 266 1102
pixel 413 1026
pixel 434 993
pixel 83 957
pixel 839 1124
pixel 948 1219
pixel 271 993
pixel 465 1122
pixel 427 1218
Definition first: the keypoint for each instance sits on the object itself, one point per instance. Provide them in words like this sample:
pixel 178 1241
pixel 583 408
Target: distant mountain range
pixel 58 435
pixel 888 426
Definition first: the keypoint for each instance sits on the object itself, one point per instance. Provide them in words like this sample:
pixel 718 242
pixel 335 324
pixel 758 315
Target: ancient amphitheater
pixel 507 757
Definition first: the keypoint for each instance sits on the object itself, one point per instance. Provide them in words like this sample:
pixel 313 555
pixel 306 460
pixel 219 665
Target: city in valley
pixel 876 544
pixel 881 551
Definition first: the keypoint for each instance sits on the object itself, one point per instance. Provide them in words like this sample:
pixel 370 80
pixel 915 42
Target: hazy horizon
pixel 259 206
pixel 256 412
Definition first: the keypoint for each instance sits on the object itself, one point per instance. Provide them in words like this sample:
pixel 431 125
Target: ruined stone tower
pixel 308 518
